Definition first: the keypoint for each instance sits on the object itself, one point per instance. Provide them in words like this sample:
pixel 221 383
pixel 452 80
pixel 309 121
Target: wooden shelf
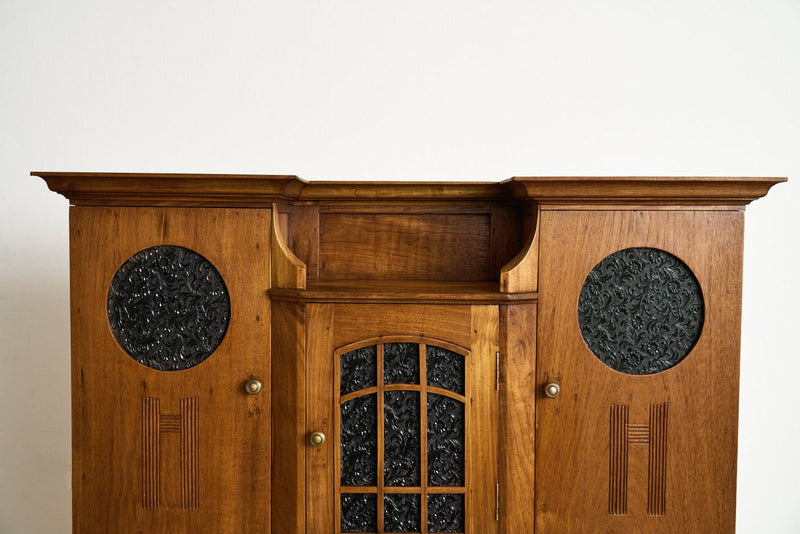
pixel 401 291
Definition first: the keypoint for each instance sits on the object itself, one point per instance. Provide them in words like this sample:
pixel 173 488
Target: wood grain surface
pixel 411 247
pixel 288 417
pixel 132 425
pixel 597 442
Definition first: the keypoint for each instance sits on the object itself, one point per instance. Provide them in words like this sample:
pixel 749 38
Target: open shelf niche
pixel 427 252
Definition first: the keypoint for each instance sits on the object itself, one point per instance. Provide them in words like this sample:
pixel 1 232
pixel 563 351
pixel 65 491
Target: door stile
pixel 481 437
pixel 322 463
pixel 380 435
pixel 423 436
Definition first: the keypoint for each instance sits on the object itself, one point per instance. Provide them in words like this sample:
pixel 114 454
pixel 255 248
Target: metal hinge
pixel 497 501
pixel 497 371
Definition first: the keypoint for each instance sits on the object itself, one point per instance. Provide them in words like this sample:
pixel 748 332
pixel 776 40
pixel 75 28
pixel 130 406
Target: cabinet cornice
pixel 245 190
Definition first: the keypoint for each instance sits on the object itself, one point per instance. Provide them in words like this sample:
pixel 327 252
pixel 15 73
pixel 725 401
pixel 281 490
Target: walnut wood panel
pixel 361 321
pixel 288 417
pixel 506 236
pixel 517 420
pixel 414 247
pixel 392 191
pixel 170 452
pixel 320 405
pixel 305 238
pixel 638 453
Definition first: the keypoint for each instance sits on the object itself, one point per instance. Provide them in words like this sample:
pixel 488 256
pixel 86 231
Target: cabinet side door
pixel 639 328
pixel 170 320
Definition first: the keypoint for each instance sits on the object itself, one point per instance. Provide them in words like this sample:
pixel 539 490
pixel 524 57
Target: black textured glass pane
pixel 168 308
pixel 401 513
pixel 401 459
pixel 641 310
pixel 401 363
pixel 445 441
pixel 359 369
pixel 445 369
pixel 446 513
pixel 359 512
pixel 359 441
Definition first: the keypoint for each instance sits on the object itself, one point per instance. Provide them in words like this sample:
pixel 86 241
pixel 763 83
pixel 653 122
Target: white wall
pixel 392 90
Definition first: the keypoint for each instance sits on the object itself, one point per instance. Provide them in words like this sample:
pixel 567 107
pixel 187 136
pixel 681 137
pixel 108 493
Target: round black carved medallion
pixel 168 307
pixel 641 311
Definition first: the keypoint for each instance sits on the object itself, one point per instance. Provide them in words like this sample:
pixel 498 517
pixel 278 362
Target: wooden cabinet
pixel 262 354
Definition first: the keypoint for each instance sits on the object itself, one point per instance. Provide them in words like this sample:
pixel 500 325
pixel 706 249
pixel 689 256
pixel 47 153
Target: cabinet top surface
pixel 250 190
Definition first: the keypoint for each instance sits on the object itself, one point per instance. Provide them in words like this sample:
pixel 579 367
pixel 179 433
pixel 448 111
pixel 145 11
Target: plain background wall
pixel 392 90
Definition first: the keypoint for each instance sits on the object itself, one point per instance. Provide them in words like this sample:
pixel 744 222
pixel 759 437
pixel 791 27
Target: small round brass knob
pixel 253 387
pixel 317 439
pixel 552 390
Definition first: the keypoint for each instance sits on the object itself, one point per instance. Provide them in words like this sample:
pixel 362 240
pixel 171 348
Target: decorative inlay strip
pixel 618 461
pixel 151 472
pixel 657 464
pixel 154 423
pixel 638 433
pixel 653 434
pixel 170 423
pixel 189 454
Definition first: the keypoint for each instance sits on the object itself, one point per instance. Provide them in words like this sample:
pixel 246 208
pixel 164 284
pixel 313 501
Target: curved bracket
pixel 521 274
pixel 288 271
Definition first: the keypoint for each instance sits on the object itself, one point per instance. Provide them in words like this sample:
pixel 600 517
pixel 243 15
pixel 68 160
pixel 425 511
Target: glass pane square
pixel 401 513
pixel 359 512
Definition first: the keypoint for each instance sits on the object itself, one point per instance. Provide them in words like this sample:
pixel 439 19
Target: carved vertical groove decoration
pixel 657 464
pixel 151 472
pixel 638 433
pixel 618 461
pixel 189 454
pixel 154 423
pixel 622 434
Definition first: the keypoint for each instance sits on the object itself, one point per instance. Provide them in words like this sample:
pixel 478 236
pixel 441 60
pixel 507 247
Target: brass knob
pixel 552 390
pixel 253 387
pixel 317 439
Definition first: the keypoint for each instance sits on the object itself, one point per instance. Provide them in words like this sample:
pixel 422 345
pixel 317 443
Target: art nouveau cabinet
pixel 262 354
